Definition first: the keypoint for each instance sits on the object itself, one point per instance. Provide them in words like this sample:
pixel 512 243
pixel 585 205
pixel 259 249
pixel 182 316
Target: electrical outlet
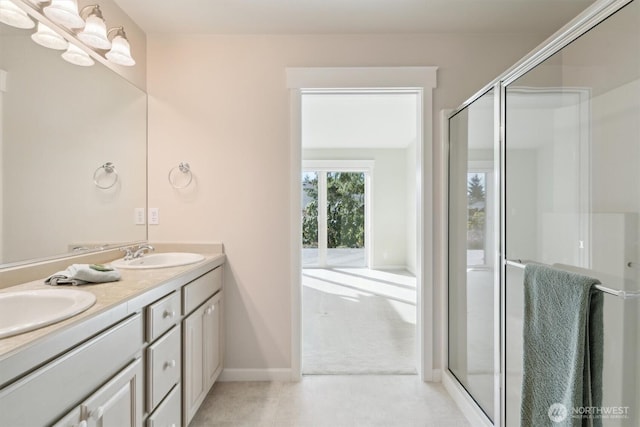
pixel 138 215
pixel 154 216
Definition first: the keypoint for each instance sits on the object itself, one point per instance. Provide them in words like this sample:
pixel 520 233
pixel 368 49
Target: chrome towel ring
pixel 174 178
pixel 107 169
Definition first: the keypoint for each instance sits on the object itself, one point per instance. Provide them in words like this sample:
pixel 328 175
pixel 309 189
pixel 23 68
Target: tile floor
pixel 330 400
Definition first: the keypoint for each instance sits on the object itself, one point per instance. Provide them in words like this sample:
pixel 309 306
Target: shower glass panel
pixel 573 192
pixel 472 231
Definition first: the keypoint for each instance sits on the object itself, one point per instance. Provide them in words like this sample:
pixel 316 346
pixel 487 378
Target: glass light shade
pixel 120 52
pixel 64 12
pixel 95 33
pixel 11 14
pixel 46 37
pixel 77 56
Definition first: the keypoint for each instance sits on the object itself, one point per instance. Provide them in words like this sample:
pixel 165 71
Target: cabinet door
pixel 202 353
pixel 211 338
pixel 193 378
pixel 72 419
pixel 119 402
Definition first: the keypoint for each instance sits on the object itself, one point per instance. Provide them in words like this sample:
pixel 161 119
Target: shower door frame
pixel 584 22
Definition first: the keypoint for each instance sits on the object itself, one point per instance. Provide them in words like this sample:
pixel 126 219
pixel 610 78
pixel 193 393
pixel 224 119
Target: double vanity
pixel 145 353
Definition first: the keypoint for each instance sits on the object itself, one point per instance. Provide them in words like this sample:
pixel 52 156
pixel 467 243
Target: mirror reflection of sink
pixel 22 311
pixel 159 260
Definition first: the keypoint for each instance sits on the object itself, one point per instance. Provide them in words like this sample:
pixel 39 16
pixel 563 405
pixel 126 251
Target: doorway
pixel 421 80
pixel 358 237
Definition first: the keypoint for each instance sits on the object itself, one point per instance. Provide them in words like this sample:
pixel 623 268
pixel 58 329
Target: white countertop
pixel 114 302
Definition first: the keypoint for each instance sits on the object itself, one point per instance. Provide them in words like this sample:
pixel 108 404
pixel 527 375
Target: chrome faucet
pixel 141 250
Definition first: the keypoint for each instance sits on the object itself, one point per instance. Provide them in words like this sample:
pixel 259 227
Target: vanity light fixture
pixel 12 15
pixel 65 13
pixel 120 52
pixel 46 37
pixel 95 29
pixel 77 56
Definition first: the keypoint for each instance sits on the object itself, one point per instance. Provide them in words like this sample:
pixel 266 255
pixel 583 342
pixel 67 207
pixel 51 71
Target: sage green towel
pixel 563 347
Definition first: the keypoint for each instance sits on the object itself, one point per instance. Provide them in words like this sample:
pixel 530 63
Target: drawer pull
pixel 169 313
pixel 97 413
pixel 170 364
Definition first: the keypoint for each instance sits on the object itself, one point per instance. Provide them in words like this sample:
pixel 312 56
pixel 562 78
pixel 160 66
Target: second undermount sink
pixel 23 311
pixel 159 260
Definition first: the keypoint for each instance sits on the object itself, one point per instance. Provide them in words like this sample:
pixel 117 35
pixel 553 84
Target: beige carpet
pixel 358 321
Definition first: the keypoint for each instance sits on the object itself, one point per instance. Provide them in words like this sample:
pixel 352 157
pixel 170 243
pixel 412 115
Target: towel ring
pixel 186 170
pixel 109 168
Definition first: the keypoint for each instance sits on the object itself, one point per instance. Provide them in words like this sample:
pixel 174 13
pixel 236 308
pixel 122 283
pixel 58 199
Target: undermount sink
pixel 22 311
pixel 160 260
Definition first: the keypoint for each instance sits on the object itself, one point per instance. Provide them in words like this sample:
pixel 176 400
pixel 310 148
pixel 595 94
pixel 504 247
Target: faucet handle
pixel 128 253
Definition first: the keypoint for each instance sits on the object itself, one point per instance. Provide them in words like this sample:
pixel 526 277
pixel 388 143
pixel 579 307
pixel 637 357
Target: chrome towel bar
pixel 619 293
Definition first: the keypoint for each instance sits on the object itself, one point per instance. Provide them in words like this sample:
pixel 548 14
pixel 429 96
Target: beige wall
pixel 220 103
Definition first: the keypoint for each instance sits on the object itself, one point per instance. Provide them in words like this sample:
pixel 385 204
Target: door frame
pixel 422 80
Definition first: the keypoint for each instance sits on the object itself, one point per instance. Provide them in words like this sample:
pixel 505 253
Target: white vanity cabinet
pixel 46 394
pixel 202 340
pixel 149 364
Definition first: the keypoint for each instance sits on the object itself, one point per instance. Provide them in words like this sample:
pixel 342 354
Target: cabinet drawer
pixel 59 385
pixel 162 315
pixel 163 367
pixel 168 413
pixel 198 291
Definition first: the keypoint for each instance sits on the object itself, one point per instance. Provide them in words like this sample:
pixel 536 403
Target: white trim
pixel 422 80
pixel 295 220
pixel 361 77
pixel 339 165
pixel 466 404
pixel 283 374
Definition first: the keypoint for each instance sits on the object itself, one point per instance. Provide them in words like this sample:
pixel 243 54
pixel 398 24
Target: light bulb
pixel 12 15
pixel 120 52
pixel 46 37
pixel 64 12
pixel 77 56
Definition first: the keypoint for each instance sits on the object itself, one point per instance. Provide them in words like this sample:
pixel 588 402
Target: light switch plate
pixel 154 216
pixel 139 217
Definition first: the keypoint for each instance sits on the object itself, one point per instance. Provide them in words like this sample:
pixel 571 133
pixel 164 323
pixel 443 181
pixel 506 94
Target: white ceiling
pixel 351 16
pixel 359 120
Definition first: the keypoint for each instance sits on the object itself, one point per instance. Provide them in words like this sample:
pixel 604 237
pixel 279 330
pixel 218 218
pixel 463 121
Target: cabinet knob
pixel 83 423
pixel 169 313
pixel 97 413
pixel 170 364
pixel 210 309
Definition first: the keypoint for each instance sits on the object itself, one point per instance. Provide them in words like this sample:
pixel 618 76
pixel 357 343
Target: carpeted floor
pixel 358 321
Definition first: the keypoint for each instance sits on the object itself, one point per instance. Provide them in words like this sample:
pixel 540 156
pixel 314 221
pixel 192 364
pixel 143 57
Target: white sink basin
pixel 160 260
pixel 23 311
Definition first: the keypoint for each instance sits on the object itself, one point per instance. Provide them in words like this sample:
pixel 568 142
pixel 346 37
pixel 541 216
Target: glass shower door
pixel 472 312
pixel 573 195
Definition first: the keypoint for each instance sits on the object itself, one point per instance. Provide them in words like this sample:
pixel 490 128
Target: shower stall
pixel 544 167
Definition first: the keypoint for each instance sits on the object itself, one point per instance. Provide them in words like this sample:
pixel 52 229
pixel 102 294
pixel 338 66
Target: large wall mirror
pixel 72 154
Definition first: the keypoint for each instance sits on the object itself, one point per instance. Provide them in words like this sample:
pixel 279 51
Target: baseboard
pixel 283 374
pixel 467 406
